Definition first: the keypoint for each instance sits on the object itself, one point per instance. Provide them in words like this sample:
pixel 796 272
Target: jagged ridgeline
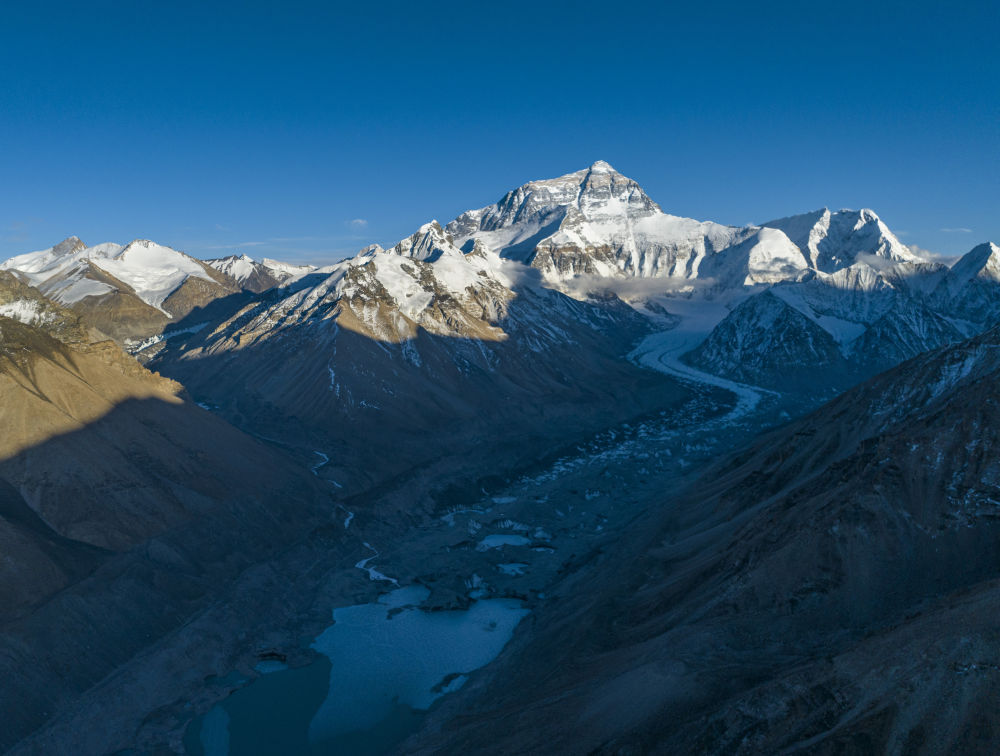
pixel 808 303
pixel 526 302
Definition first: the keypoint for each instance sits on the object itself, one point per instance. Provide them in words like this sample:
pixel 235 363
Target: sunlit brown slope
pixel 124 509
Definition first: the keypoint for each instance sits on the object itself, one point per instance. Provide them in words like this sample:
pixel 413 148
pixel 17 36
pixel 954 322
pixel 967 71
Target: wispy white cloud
pixel 632 288
pixel 927 254
pixel 920 251
pixel 358 223
pixel 957 230
pixel 19 231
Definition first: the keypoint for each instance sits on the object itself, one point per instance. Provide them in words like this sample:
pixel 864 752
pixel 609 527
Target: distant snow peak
pixel 153 271
pixel 63 272
pixel 240 267
pixel 830 287
pixel 834 240
pixel 259 275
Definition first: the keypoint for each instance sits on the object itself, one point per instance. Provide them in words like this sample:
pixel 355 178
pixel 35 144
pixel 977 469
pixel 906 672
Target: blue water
pixel 380 667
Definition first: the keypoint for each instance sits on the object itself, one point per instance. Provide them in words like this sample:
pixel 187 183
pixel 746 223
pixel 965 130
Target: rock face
pixel 766 341
pixel 833 241
pixel 969 290
pixel 598 222
pixel 814 337
pixel 830 589
pixel 879 310
pixel 594 222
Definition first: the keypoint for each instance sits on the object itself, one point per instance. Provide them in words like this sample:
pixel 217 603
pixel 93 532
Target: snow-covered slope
pixel 969 291
pixel 424 283
pixel 598 222
pixel 21 302
pixel 594 222
pixel 61 271
pixel 131 292
pixel 831 241
pixel 151 270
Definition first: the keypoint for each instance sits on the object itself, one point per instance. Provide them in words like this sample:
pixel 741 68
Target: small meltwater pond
pixel 382 666
pixel 499 541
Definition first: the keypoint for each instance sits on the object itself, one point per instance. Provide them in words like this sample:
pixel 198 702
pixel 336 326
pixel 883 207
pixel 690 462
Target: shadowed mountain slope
pixel 396 347
pixel 831 589
pixel 124 509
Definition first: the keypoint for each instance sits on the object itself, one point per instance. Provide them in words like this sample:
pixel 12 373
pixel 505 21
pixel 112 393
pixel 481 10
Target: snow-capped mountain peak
pixel 982 261
pixel 240 267
pixel 68 246
pixel 596 193
pixel 847 284
pixel 833 240
pixel 599 223
pixel 257 276
pixel 594 221
pixel 602 166
pixel 71 272
pixel 153 271
pixel 61 271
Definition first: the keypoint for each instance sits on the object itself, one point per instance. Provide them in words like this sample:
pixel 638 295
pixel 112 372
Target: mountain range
pixel 807 304
pixel 780 538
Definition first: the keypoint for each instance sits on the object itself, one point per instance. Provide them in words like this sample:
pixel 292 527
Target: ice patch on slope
pixel 27 311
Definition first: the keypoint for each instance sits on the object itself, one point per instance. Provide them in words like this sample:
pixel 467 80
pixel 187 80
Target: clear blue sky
pixel 269 128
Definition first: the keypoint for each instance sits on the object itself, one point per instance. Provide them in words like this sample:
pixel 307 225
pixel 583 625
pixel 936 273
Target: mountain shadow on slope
pixel 116 534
